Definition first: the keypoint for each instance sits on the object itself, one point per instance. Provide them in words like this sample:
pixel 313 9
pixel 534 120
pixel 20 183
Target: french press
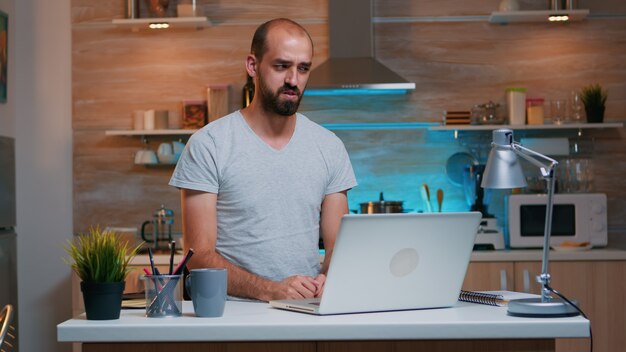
pixel 162 220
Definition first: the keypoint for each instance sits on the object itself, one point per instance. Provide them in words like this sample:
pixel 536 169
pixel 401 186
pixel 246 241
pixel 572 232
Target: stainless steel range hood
pixel 352 67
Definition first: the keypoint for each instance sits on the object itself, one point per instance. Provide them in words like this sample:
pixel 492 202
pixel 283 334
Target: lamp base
pixel 535 308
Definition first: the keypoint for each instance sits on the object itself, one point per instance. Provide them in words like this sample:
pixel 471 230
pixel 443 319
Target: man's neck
pixel 274 129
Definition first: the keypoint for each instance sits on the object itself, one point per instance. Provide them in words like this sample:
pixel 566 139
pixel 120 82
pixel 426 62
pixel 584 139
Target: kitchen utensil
pixel 476 196
pixel 382 206
pixel 455 164
pixel 162 220
pixel 425 194
pixel 440 198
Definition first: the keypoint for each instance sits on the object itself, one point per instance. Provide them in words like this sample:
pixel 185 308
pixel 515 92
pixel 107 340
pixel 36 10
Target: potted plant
pixel 100 259
pixel 594 99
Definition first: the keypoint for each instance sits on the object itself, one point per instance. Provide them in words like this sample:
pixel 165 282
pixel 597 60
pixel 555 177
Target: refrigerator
pixel 8 237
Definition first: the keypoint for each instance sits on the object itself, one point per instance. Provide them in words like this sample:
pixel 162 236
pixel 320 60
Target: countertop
pixel 518 255
pixel 257 321
pixel 477 256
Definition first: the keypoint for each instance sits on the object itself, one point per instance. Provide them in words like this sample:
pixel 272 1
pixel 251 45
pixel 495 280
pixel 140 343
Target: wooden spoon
pixel 440 198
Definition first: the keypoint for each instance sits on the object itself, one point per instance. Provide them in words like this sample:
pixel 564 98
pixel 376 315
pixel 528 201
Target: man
pixel 260 185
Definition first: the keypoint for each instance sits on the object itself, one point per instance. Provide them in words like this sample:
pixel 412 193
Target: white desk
pixel 258 322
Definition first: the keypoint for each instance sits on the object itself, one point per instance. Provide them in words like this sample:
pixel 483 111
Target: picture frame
pixel 4 55
pixel 194 114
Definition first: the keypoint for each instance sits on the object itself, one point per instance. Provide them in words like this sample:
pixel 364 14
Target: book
pixel 493 298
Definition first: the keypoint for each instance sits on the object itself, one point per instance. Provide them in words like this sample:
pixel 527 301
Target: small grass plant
pixel 100 256
pixel 593 96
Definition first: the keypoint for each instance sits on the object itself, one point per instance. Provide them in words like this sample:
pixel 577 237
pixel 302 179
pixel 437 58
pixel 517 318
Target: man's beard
pixel 271 102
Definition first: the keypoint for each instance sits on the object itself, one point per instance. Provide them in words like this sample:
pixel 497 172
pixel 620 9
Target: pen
pixel 172 251
pixel 181 265
pixel 151 260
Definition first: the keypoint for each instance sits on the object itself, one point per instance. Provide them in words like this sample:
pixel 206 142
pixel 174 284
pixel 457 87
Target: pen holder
pixel 164 295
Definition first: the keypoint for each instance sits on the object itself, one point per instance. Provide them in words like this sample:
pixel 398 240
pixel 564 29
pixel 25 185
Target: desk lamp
pixel 503 171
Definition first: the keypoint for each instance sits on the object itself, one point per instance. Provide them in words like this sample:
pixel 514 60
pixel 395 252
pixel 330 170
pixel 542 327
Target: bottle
pixel 248 91
pixel 516 103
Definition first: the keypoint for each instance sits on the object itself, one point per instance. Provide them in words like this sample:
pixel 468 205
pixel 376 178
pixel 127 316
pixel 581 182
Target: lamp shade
pixel 503 169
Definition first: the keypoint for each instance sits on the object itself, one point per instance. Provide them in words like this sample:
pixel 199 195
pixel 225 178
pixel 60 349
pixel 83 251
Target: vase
pixel 595 114
pixel 103 300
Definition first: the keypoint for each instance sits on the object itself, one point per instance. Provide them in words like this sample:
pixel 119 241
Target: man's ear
pixel 251 65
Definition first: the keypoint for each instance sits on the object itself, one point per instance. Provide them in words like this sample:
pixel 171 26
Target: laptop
pixel 387 262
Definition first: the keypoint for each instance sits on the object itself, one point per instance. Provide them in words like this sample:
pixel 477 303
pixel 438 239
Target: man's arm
pixel 199 217
pixel 334 206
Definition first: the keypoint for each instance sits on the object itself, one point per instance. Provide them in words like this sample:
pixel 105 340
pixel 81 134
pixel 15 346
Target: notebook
pixel 385 262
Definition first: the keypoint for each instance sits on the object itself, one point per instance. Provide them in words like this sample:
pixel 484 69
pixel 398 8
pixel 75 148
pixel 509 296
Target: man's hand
pixel 320 280
pixel 296 287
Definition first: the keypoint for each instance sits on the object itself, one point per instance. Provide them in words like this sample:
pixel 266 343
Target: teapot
pixel 162 220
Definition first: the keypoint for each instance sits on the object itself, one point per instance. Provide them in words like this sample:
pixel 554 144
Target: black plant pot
pixel 595 114
pixel 103 300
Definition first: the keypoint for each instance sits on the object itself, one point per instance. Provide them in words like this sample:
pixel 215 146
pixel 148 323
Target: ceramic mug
pixel 207 289
pixel 139 157
pixel 165 152
pixel 149 157
pixel 178 148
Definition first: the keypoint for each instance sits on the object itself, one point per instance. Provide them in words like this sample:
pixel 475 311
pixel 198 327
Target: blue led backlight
pixel 361 91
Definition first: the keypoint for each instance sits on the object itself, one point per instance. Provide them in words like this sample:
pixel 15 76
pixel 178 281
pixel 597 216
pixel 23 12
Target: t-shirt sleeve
pixel 197 167
pixel 341 173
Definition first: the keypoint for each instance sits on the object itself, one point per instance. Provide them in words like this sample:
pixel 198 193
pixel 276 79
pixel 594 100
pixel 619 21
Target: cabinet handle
pixel 503 283
pixel 526 278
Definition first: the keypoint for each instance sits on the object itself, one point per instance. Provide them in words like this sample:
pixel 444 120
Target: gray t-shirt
pixel 268 201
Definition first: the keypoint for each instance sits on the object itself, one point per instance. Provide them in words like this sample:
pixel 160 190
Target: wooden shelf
pixel 378 126
pixel 566 126
pixel 148 132
pixel 136 24
pixel 536 16
pixel 393 126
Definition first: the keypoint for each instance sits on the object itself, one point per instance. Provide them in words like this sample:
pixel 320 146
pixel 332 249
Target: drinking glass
pixel 577 106
pixel 558 111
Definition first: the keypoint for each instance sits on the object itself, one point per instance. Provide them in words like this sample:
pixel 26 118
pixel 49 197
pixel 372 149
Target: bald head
pixel 259 41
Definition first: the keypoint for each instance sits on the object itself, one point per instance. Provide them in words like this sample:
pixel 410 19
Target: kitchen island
pixel 256 326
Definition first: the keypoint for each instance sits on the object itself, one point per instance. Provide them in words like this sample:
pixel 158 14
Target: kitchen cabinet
pixel 598 286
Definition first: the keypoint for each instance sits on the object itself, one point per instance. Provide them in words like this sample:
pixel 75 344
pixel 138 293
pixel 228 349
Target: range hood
pixel 352 68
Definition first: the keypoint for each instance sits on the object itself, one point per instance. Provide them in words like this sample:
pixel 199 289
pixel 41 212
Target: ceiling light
pixel 558 18
pixel 159 25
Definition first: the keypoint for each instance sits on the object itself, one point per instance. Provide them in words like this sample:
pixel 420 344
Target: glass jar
pixel 186 8
pixel 534 111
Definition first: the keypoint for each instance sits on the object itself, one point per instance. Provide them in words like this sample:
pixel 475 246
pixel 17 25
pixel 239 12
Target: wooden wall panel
pixel 454 64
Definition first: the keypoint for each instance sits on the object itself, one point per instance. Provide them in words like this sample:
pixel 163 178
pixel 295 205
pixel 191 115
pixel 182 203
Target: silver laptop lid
pixel 399 261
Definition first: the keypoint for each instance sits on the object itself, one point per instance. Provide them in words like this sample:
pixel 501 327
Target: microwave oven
pixel 578 217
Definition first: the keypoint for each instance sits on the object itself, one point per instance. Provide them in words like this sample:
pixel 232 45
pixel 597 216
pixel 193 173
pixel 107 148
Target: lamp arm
pixel 547 171
pixel 531 156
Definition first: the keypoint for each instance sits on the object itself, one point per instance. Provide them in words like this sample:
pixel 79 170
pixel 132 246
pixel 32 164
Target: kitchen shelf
pixel 148 132
pixel 330 126
pixel 378 126
pixel 566 126
pixel 136 24
pixel 536 16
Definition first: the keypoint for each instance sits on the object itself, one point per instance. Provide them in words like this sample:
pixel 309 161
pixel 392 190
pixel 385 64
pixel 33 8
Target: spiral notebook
pixel 493 298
